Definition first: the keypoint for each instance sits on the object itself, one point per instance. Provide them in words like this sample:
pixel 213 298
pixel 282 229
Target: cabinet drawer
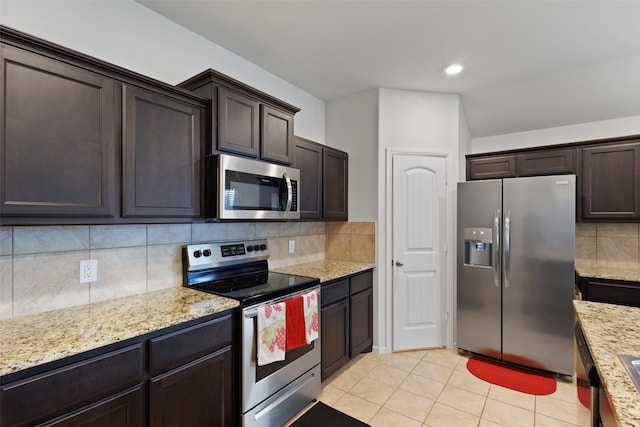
pixel 177 348
pixel 124 409
pixel 333 292
pixel 61 390
pixel 361 282
pixel 623 293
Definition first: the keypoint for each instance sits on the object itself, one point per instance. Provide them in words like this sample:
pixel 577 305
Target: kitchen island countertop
pixel 326 270
pixel 611 330
pixel 28 341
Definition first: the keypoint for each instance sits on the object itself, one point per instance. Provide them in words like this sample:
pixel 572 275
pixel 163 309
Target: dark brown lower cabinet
pixel 610 291
pixel 361 324
pixel 335 336
pixel 197 394
pixel 192 372
pixel 123 409
pixel 346 320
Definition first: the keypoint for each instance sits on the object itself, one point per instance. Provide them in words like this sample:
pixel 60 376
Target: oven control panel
pixel 216 254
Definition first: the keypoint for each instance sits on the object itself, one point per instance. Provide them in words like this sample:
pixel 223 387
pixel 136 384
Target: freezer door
pixel 478 279
pixel 538 272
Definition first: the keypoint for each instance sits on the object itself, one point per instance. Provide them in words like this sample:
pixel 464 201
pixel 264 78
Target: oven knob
pixel 207 252
pixel 197 254
pixel 263 247
pixel 256 247
pixel 249 248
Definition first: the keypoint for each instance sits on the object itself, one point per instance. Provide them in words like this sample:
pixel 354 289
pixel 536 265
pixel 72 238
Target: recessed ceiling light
pixel 453 69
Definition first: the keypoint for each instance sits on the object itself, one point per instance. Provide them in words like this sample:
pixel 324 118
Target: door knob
pixel 399 263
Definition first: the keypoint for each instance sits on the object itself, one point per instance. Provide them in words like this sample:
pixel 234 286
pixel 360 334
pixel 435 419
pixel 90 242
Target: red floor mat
pixel 510 377
pixel 584 396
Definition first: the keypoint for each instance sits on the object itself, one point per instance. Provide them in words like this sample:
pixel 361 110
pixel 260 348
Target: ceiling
pixel 528 64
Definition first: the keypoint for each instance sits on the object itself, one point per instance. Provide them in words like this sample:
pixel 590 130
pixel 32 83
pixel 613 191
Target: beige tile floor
pixel 432 388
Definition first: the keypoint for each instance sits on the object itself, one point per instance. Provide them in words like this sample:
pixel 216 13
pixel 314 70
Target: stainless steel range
pixel 271 393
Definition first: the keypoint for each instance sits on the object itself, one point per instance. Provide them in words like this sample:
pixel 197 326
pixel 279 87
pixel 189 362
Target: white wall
pixel 558 135
pixel 131 36
pixel 352 126
pixel 426 122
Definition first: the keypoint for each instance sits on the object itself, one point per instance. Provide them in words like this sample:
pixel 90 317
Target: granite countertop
pixel 609 273
pixel 326 270
pixel 29 341
pixel 611 330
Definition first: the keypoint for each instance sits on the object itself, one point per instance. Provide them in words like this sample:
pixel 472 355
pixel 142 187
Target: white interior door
pixel 419 233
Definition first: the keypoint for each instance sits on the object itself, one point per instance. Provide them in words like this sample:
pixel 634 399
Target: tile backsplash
pixel 351 241
pixel 606 247
pixel 40 265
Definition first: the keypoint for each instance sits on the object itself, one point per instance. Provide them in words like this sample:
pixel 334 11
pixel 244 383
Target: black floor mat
pixel 321 415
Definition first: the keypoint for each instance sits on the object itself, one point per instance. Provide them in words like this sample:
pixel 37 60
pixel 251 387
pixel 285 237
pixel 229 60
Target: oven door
pixel 280 388
pixel 249 189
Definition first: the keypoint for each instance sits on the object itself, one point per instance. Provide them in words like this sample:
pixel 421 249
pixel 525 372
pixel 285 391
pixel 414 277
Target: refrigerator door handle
pixel 496 249
pixel 507 248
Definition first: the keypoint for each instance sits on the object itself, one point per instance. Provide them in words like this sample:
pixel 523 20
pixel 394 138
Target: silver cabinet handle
pixel 399 263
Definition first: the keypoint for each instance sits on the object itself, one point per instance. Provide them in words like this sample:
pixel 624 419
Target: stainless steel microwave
pixel 245 189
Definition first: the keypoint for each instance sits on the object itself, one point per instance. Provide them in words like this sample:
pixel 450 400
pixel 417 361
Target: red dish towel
pixel 296 335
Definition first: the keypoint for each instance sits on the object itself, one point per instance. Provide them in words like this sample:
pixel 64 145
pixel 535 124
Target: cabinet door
pixel 611 182
pixel 334 324
pixel 361 322
pixel 308 158
pixel 161 156
pixel 276 135
pixel 335 184
pixel 123 409
pixel 238 123
pixel 57 145
pixel 197 394
pixel 547 162
pixel 491 167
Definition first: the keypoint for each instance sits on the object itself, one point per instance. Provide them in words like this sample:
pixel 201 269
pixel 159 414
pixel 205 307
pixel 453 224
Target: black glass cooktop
pixel 257 287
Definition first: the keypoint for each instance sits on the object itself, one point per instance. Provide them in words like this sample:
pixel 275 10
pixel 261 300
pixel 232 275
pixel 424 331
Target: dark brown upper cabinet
pixel 308 158
pixel 324 173
pixel 243 120
pixel 276 128
pixel 84 141
pixel 335 176
pixel 529 163
pixel 238 123
pixel 58 139
pixel 610 182
pixel 546 162
pixel 161 155
pixel 491 167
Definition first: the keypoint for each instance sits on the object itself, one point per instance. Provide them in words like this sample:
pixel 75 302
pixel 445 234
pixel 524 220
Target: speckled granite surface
pixel 609 273
pixel 611 330
pixel 326 270
pixel 33 340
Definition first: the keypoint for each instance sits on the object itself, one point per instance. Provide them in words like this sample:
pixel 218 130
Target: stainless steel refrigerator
pixel 515 270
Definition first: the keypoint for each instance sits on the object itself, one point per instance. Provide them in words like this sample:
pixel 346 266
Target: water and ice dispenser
pixel 478 244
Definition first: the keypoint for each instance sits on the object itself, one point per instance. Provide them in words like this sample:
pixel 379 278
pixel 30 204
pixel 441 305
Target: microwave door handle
pixel 285 176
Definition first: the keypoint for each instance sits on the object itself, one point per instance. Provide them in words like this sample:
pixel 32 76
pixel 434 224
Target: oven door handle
pixel 250 312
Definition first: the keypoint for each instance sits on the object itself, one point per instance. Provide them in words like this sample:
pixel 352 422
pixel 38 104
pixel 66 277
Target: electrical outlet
pixel 88 271
pixel 292 246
